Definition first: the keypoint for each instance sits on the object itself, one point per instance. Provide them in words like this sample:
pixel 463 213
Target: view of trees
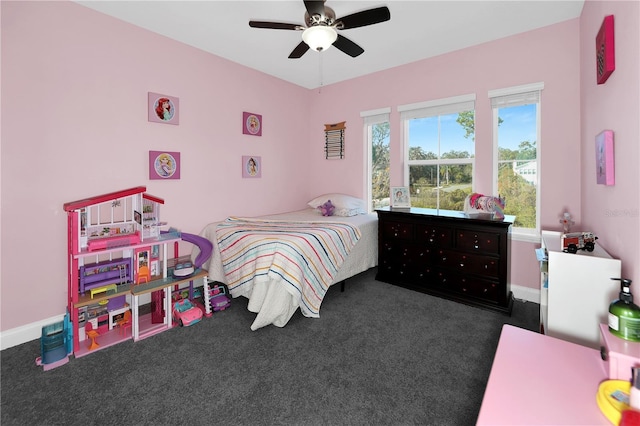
pixel 447 185
pixel 520 194
pixel 380 165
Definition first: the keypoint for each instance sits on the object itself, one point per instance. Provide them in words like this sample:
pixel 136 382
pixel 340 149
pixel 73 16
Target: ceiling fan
pixel 321 28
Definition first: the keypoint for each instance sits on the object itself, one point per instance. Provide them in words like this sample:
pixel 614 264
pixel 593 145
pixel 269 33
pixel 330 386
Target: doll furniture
pixel 116 271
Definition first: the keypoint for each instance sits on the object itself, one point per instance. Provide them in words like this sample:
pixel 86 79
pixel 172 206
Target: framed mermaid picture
pixel 163 108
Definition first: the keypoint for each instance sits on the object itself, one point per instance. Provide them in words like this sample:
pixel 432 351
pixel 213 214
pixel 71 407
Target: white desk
pixel 540 380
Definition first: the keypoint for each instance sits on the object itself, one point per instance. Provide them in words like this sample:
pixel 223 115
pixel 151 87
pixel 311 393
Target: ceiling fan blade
pixel 300 50
pixel 347 46
pixel 314 7
pixel 364 18
pixel 275 25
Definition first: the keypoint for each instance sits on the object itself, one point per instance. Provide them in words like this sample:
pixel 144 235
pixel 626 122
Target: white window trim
pixel 371 117
pixel 514 96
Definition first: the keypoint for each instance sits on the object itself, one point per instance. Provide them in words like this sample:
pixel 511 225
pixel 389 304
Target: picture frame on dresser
pixel 400 197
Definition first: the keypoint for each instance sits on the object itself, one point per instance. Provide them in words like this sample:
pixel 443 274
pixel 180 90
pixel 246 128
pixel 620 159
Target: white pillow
pixel 348 212
pixel 340 201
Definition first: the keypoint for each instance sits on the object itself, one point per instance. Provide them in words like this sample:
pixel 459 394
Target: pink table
pixel 540 380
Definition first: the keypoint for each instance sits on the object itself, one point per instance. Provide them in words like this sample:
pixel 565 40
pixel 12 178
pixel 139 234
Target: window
pixel 376 130
pixel 516 137
pixel 439 151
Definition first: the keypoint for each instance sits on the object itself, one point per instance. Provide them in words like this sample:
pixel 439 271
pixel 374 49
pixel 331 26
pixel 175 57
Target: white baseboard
pixel 26 333
pixel 526 293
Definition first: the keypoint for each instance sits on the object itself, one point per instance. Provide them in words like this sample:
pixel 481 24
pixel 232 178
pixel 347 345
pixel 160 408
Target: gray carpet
pixel 379 355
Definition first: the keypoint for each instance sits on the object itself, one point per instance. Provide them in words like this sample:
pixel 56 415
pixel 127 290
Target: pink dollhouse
pixel 117 254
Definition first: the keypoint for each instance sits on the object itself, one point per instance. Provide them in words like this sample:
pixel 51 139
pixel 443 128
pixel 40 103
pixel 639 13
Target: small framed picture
pixel 251 124
pixel 400 196
pixel 605 166
pixel 163 108
pixel 251 166
pixel 164 165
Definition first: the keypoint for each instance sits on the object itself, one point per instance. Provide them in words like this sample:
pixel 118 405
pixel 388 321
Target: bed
pixel 273 300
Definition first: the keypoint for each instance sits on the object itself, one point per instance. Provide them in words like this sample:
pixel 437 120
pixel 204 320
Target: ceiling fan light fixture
pixel 319 37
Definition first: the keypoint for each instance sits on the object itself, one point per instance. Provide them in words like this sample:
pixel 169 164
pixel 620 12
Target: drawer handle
pixel 603 353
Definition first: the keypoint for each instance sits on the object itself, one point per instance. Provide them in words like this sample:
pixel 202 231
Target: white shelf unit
pixel 575 291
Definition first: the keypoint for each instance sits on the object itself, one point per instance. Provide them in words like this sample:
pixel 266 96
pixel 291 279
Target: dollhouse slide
pixel 203 244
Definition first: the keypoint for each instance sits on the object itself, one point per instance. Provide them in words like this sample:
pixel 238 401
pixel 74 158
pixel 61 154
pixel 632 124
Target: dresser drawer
pixel 434 235
pixel 397 230
pixel 465 286
pixel 397 260
pixel 477 241
pixel 467 263
pixel 483 289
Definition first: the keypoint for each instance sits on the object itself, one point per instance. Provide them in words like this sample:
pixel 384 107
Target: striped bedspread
pixel 303 256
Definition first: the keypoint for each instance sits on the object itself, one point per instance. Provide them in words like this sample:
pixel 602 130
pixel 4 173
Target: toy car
pixel 183 269
pixel 574 241
pixel 186 313
pixel 218 296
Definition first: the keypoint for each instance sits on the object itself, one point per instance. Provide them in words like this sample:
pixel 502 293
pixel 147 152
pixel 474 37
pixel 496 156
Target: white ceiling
pixel 417 30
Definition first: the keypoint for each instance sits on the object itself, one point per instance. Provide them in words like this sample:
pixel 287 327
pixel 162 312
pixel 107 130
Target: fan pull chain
pixel 320 71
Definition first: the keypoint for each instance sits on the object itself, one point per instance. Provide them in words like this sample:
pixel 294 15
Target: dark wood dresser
pixel 444 253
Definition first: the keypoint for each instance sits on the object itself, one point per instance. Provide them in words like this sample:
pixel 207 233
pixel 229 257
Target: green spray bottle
pixel 624 315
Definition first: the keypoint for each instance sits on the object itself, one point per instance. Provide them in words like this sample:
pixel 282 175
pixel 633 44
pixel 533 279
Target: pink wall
pixel 74 96
pixel 613 211
pixel 74 87
pixel 550 55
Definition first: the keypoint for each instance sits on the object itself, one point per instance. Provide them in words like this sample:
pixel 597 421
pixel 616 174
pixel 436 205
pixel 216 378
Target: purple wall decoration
pixel 605 168
pixel 251 124
pixel 164 165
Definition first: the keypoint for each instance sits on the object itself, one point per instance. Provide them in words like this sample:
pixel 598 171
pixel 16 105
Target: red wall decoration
pixel 605 52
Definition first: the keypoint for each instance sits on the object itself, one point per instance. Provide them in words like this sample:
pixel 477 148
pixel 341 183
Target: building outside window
pixel 516 134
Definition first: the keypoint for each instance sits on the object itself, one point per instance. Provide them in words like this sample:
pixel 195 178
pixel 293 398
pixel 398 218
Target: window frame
pixel 371 118
pixel 510 97
pixel 434 108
